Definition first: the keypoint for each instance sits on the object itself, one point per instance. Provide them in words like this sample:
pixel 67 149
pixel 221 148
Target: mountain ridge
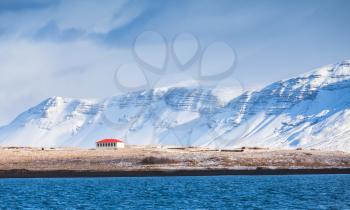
pixel 311 110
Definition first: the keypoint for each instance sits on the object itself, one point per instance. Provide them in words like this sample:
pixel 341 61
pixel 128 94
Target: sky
pixel 75 48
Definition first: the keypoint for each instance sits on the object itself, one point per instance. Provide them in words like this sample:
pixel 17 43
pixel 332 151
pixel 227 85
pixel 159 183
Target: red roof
pixel 109 141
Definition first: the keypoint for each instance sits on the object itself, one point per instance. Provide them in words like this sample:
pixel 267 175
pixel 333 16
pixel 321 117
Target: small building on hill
pixel 110 144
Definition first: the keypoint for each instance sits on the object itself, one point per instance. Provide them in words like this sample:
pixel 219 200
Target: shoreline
pixel 23 173
pixel 150 161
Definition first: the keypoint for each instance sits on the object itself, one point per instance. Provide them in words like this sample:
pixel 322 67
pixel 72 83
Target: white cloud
pixel 31 72
pixel 88 16
pixel 93 16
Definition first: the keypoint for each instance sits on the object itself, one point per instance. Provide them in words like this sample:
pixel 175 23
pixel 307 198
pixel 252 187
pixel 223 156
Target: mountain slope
pixel 309 111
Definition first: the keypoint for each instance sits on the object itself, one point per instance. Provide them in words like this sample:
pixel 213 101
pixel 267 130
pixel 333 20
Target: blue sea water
pixel 215 192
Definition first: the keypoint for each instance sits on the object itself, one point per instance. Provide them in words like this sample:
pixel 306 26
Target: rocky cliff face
pixel 310 111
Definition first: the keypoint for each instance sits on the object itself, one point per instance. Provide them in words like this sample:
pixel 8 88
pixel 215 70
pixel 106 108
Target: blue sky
pixel 72 48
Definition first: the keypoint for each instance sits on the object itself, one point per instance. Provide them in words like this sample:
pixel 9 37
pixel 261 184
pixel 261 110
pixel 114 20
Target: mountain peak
pixel 340 70
pixel 318 78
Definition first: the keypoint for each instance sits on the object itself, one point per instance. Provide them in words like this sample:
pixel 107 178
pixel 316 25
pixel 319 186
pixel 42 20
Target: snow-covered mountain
pixel 308 111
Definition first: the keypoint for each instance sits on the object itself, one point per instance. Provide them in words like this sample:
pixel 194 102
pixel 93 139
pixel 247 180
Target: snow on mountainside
pixel 309 111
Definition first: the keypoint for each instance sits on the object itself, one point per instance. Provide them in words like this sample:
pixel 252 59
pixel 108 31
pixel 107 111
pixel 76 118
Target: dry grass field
pixel 148 158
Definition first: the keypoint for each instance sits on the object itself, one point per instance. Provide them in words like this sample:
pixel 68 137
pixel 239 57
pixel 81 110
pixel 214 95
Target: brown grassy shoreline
pixel 147 161
pixel 196 172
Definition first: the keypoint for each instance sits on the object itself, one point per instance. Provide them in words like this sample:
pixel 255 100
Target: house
pixel 110 144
